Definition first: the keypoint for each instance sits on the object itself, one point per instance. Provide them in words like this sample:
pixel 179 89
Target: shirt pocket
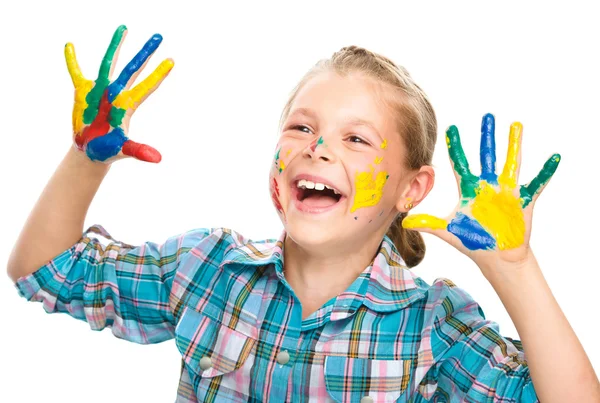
pixel 210 348
pixel 352 379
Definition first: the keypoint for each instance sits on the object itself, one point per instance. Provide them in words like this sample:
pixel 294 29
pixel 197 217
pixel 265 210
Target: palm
pixel 494 213
pixel 102 109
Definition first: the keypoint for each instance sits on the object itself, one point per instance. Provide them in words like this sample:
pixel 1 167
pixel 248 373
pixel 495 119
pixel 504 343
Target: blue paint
pixel 471 233
pixel 487 152
pixel 133 66
pixel 107 146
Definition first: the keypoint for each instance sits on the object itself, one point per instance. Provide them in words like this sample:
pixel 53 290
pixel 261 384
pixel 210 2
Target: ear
pixel 417 188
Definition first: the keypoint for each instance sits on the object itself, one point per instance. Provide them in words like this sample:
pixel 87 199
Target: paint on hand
pixel 500 213
pixel 487 152
pixel 384 144
pixel 527 192
pixel 423 221
pixel 472 235
pixel 378 160
pixel 468 181
pixel 369 188
pixel 315 143
pixel 508 177
pixel 96 118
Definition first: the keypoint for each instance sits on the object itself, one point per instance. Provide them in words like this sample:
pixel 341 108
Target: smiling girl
pixel 329 311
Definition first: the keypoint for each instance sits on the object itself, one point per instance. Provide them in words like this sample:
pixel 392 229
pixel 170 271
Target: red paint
pixel 313 145
pixel 142 152
pixel 99 127
pixel 275 195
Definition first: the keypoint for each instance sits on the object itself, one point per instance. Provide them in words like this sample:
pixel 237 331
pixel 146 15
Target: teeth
pixel 304 184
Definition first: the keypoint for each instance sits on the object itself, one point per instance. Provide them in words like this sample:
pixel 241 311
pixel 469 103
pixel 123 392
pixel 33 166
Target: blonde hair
pixel 416 123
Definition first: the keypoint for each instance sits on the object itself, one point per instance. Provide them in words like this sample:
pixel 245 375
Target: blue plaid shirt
pixel 238 324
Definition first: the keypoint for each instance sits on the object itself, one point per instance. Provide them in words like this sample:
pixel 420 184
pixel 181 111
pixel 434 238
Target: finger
pixel 467 181
pixel 487 152
pixel 510 173
pixel 133 98
pixel 141 152
pixel 134 66
pixel 535 187
pixel 424 222
pixel 73 66
pixel 110 58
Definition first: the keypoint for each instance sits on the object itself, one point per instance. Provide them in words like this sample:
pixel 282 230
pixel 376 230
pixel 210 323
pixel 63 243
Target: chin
pixel 312 234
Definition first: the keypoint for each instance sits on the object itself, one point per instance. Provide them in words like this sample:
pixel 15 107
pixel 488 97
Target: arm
pixel 57 219
pixel 492 226
pixel 101 114
pixel 559 366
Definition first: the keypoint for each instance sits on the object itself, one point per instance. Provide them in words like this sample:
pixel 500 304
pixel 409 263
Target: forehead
pixel 330 96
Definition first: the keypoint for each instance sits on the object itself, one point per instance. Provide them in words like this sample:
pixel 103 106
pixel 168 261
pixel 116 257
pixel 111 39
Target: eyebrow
pixel 350 121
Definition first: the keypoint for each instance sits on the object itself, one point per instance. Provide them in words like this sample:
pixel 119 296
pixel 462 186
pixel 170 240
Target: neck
pixel 316 276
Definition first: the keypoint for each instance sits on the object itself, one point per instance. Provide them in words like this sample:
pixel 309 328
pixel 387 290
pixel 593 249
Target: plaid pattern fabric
pixel 238 324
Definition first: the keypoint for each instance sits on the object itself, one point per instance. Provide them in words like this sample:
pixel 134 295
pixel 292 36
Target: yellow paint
pixel 131 99
pixel 288 152
pixel 369 188
pixel 448 141
pixel 82 87
pixel 500 213
pixel 384 144
pixel 424 221
pixel 281 165
pixel 511 167
pixel 378 160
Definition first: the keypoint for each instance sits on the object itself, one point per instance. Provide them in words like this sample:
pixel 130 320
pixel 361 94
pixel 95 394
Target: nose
pixel 317 150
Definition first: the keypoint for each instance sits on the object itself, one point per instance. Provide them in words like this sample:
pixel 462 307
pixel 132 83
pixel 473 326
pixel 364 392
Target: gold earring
pixel 408 206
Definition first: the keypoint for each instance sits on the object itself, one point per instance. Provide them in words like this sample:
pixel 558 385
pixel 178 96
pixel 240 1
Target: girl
pixel 329 311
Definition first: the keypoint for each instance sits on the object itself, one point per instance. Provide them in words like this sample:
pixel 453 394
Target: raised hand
pixel 493 217
pixel 102 109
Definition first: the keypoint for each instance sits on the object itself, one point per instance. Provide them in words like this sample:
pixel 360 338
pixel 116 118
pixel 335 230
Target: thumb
pixel 142 152
pixel 429 224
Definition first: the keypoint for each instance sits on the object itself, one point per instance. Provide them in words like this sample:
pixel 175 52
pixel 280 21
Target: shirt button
pixel 205 363
pixel 367 399
pixel 283 357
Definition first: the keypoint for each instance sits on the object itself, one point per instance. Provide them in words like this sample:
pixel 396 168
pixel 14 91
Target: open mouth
pixel 315 195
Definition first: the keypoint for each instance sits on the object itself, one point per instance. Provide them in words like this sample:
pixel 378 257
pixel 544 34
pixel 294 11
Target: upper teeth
pixel 314 185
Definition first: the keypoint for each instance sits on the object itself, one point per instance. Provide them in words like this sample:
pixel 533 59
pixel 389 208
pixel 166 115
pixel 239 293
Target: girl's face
pixel 337 174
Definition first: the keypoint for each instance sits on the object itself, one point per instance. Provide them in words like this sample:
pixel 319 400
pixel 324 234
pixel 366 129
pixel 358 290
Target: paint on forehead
pixel 315 143
pixel 369 188
pixel 378 160
pixel 500 213
pixel 384 144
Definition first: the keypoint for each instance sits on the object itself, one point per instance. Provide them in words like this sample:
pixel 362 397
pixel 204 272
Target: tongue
pixel 318 200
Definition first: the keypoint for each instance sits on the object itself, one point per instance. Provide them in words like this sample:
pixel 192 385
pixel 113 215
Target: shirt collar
pixel 386 285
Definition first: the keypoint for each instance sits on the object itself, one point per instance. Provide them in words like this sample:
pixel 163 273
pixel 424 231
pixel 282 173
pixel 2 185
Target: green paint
pixel 116 116
pixel 277 155
pixel 320 141
pixel 95 95
pixel 468 181
pixel 528 191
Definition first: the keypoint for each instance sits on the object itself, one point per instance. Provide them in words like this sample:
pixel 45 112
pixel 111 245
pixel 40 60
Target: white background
pixel 215 122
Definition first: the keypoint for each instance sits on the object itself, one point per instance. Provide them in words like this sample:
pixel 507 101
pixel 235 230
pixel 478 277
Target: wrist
pixel 79 160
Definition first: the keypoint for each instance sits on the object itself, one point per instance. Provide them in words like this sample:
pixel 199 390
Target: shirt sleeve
pixel 126 288
pixel 472 362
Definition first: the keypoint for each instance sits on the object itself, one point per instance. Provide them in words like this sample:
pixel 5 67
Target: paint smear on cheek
pixel 369 188
pixel 384 144
pixel 500 213
pixel 279 164
pixel 275 195
pixel 378 160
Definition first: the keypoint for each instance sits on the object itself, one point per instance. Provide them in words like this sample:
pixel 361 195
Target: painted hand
pixel 492 221
pixel 102 109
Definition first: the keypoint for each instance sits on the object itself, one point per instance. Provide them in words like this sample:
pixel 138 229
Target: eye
pixel 357 140
pixel 301 128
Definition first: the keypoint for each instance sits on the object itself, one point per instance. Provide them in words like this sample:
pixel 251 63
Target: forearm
pixel 559 366
pixel 56 221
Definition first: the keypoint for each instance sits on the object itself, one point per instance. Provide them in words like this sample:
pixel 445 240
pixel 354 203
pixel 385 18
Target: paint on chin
pixel 369 188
